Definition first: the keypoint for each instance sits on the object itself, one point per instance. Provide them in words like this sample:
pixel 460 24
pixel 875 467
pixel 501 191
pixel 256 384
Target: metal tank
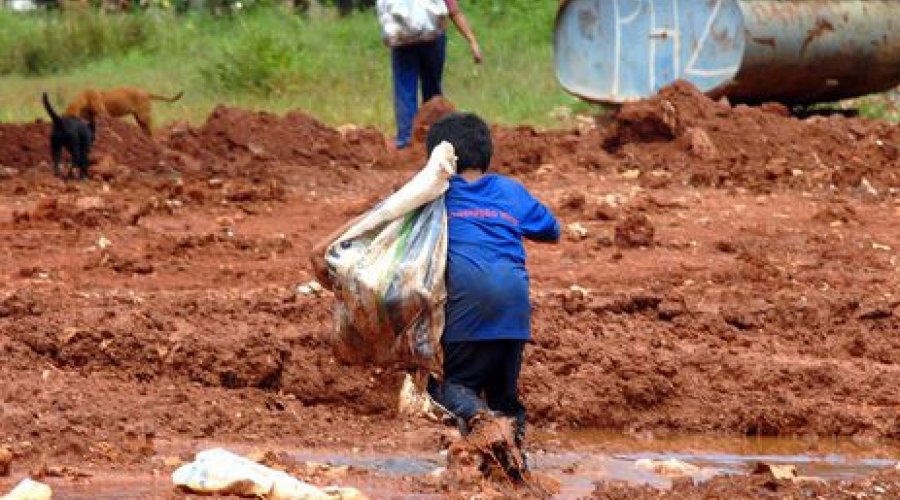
pixel 793 51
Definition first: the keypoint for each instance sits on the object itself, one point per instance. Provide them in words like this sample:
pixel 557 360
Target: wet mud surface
pixel 725 270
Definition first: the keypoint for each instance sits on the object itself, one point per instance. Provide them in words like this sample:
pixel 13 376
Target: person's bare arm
pixel 317 255
pixel 462 24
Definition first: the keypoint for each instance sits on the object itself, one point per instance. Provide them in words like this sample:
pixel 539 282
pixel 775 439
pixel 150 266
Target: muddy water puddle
pixel 609 457
pixel 577 460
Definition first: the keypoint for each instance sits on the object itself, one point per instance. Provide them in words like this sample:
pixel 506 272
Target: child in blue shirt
pixel 488 312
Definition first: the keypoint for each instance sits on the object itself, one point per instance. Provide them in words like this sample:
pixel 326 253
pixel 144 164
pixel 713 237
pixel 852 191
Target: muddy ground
pixel 736 272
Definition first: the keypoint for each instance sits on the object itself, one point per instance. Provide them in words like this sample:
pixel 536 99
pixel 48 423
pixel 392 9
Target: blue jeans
pixel 489 367
pixel 409 65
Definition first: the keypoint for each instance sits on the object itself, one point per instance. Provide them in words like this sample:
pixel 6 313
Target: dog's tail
pixel 53 116
pixel 167 99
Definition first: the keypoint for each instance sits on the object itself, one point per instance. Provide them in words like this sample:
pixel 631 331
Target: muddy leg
pixel 56 153
pixel 145 122
pixel 502 389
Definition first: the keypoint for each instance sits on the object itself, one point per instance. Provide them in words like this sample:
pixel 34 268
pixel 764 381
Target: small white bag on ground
pixel 223 472
pixel 388 273
pixel 28 489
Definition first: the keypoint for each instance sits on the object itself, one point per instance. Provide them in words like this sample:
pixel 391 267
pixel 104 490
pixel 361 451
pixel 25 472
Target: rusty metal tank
pixel 793 51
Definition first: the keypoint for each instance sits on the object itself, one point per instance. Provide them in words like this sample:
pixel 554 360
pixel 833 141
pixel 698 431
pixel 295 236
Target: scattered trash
pixel 28 489
pixel 576 231
pixel 311 288
pixel 172 462
pixel 631 175
pixel 669 468
pixel 89 203
pixel 6 172
pixel 415 402
pixel 578 291
pixel 867 187
pixel 103 242
pixel 347 128
pixel 219 471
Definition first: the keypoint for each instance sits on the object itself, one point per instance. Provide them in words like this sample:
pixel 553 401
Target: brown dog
pixel 118 102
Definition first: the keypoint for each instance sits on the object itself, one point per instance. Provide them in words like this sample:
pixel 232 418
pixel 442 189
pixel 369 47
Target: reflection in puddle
pixel 392 466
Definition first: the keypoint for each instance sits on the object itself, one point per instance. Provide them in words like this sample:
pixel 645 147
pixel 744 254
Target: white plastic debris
pixel 103 242
pixel 415 402
pixel 669 468
pixel 579 292
pixel 221 472
pixel 310 288
pixel 577 231
pixel 28 489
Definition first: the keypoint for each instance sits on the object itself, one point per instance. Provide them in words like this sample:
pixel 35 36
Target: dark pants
pixel 489 367
pixel 409 65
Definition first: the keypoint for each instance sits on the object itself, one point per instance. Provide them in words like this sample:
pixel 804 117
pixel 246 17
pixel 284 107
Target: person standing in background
pixel 424 62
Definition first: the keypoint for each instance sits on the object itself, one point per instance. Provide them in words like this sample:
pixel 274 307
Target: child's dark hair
pixel 470 137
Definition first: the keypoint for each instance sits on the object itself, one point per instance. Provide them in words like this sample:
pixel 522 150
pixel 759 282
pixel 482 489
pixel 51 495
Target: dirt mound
pixel 711 143
pixel 69 212
pixel 122 143
pixel 430 112
pixel 523 150
pixel 246 139
pixel 25 144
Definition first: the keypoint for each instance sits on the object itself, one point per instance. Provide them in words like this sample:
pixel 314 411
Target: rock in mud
pixel 635 231
pixel 698 143
pixel 606 212
pixel 670 309
pixel 573 202
pixel 778 472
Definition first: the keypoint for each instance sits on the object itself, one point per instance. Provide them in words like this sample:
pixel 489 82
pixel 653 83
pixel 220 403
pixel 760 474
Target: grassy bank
pixel 337 69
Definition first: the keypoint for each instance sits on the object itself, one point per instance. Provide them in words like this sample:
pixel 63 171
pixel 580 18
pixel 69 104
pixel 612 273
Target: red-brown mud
pixel 881 486
pixel 738 275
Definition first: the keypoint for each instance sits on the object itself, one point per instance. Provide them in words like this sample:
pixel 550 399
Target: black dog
pixel 74 135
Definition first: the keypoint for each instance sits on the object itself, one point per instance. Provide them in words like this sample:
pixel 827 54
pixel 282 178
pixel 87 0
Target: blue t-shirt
pixel 487 283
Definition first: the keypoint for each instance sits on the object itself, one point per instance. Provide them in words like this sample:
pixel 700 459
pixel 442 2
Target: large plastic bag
pixel 220 471
pixel 388 273
pixel 411 21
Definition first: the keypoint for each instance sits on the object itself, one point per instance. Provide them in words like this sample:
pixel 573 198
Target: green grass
pixel 335 69
pixel 271 59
